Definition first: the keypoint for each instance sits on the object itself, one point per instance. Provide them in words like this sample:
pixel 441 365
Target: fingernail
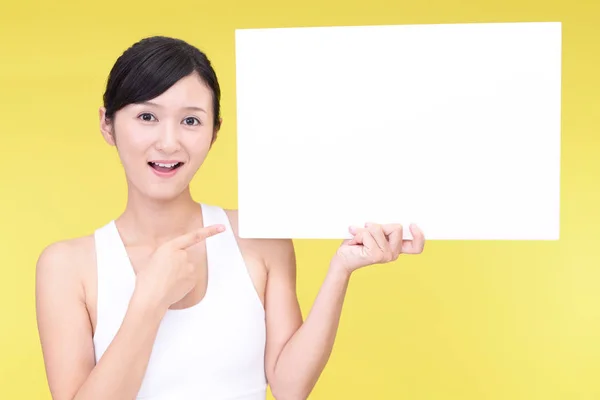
pixel 352 230
pixel 368 225
pixel 220 228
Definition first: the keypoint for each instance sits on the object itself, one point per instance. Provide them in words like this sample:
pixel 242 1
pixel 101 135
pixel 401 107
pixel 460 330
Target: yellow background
pixel 466 320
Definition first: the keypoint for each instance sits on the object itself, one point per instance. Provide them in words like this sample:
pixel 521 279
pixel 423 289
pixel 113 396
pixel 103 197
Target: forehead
pixel 190 91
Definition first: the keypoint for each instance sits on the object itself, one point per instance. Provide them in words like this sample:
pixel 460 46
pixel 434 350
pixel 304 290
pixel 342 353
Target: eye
pixel 191 121
pixel 146 117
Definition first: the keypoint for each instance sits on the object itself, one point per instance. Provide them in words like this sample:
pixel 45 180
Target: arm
pixel 298 352
pixel 66 334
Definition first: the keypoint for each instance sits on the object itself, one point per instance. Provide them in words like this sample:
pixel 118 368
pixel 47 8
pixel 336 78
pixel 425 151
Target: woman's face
pixel 163 143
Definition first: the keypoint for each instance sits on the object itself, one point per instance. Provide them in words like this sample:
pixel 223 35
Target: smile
pixel 165 168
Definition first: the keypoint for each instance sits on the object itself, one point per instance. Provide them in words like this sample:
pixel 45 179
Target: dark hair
pixel 150 67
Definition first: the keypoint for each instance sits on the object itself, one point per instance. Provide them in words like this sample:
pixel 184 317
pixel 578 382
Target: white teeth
pixel 165 165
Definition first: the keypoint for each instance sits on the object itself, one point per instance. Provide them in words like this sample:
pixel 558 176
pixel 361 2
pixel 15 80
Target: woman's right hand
pixel 170 273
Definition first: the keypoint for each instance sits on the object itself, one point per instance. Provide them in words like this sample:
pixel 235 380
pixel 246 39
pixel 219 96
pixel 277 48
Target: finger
pixel 356 233
pixel 356 236
pixel 377 233
pixel 395 236
pixel 417 244
pixel 195 237
pixel 363 237
pixel 389 229
pixel 368 242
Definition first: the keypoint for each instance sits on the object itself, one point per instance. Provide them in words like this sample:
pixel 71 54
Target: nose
pixel 168 139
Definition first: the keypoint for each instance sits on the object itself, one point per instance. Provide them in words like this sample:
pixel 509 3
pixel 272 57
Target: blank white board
pixel 454 127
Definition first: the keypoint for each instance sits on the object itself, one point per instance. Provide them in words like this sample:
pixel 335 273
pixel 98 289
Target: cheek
pixel 197 147
pixel 131 135
pixel 132 143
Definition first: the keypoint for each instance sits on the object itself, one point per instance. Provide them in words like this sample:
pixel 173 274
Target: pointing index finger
pixel 189 239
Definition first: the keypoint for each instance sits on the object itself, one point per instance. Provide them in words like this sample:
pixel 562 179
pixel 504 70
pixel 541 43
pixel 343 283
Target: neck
pixel 151 222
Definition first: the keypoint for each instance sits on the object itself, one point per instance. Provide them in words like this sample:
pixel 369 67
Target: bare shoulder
pixel 65 254
pixel 63 318
pixel 273 252
pixel 66 262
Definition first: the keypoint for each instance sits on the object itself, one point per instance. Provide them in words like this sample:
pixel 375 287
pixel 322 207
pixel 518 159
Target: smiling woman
pixel 166 301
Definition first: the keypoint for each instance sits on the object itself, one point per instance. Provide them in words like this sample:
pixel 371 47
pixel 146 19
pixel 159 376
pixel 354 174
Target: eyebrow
pixel 191 108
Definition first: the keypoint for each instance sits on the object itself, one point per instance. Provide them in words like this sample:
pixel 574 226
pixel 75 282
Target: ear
pixel 106 127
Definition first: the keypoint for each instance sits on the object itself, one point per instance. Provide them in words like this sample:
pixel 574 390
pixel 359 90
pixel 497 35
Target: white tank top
pixel 211 351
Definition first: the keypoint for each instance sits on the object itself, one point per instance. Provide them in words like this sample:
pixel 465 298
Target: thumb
pixel 189 239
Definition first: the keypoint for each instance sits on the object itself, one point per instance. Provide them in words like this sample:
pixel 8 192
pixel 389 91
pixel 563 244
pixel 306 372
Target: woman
pixel 166 301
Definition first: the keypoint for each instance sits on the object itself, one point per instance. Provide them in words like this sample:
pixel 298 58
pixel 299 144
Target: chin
pixel 164 193
pixel 164 188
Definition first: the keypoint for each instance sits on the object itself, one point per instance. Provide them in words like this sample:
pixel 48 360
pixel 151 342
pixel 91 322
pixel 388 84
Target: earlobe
pixel 106 127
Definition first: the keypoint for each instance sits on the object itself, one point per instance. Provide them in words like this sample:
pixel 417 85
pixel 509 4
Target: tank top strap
pixel 112 260
pixel 115 285
pixel 212 215
pixel 227 267
pixel 222 249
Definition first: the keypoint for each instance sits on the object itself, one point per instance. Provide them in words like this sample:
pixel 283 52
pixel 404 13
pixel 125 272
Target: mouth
pixel 165 167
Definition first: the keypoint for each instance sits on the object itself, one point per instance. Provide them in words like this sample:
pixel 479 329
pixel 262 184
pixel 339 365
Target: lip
pixel 166 161
pixel 165 174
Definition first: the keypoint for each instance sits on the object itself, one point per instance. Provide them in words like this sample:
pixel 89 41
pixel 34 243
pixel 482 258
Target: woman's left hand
pixel 376 244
